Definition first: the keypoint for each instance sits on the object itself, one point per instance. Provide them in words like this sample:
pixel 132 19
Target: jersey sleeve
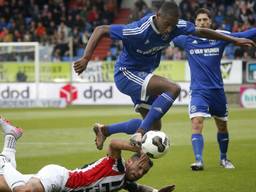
pixel 250 34
pixel 185 27
pixel 180 41
pixel 116 32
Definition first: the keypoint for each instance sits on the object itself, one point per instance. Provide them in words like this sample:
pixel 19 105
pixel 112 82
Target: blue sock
pixel 159 107
pixel 198 146
pixel 128 127
pixel 223 140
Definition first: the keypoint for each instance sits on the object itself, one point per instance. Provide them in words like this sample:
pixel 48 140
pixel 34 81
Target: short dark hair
pixel 203 11
pixel 169 9
pixel 136 156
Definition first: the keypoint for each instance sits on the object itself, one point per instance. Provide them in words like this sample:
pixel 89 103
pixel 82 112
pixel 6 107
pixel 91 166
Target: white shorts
pixel 53 177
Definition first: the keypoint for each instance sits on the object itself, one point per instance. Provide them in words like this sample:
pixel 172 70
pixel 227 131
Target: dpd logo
pixel 69 93
pixel 95 94
pixel 10 93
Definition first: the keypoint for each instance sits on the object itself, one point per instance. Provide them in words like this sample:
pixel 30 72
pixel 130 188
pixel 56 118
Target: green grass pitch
pixel 65 137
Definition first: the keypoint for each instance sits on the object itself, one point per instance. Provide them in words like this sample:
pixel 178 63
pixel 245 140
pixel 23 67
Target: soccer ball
pixel 155 144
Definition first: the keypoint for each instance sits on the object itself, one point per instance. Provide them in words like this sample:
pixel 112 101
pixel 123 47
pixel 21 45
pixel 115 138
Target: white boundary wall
pixel 231 71
pixel 76 94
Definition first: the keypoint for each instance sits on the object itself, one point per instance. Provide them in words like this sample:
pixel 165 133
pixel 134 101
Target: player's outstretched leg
pixel 9 129
pixel 11 135
pixel 101 135
pixel 103 131
pixel 13 178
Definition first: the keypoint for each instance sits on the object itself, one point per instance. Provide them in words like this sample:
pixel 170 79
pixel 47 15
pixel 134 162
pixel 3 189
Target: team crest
pixel 193 109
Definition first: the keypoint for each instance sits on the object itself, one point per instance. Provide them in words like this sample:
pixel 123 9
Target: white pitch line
pixel 55 143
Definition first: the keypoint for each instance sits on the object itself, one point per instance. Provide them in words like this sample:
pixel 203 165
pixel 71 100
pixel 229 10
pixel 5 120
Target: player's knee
pixel 175 90
pixel 197 120
pixel 222 126
pixel 197 125
pixel 178 89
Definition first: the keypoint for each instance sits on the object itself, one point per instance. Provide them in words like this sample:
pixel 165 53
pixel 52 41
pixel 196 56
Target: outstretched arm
pixel 81 64
pixel 250 34
pixel 211 34
pixel 117 145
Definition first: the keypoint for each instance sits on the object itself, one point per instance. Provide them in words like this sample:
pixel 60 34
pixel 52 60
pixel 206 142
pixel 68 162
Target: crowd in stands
pixel 63 27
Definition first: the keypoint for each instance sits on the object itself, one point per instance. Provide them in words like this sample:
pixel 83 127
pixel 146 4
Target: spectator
pixel 63 30
pixel 5 35
pixel 21 76
pixel 40 31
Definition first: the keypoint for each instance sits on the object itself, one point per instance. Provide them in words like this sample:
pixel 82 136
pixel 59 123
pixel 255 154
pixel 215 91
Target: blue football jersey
pixel 204 57
pixel 142 42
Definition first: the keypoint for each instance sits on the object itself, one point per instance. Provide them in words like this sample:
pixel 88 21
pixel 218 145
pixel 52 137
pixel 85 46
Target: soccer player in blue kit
pixel 143 41
pixel 207 92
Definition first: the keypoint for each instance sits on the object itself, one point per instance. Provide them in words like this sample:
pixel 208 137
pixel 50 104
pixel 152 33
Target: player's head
pixel 167 17
pixel 203 18
pixel 137 166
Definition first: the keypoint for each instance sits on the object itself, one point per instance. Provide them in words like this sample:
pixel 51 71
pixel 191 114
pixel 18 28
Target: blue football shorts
pixel 208 103
pixel 134 84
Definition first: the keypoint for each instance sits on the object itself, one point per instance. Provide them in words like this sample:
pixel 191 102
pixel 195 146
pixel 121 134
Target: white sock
pixel 9 149
pixel 13 177
pixel 2 164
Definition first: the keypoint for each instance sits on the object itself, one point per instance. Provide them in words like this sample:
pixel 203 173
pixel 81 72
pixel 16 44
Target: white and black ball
pixel 155 144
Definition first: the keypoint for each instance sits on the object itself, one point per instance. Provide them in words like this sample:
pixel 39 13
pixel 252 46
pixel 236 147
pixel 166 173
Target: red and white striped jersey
pixel 104 175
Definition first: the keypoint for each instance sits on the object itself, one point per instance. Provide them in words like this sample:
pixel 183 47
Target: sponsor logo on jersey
pixel 151 51
pixel 205 52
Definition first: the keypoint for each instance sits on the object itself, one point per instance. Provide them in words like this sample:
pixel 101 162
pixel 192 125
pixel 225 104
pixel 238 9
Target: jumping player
pixel 143 41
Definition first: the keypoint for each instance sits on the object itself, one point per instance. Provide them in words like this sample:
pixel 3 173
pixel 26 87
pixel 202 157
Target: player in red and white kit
pixel 110 173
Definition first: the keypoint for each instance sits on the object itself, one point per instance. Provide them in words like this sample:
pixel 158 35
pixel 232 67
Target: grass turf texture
pixel 65 137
